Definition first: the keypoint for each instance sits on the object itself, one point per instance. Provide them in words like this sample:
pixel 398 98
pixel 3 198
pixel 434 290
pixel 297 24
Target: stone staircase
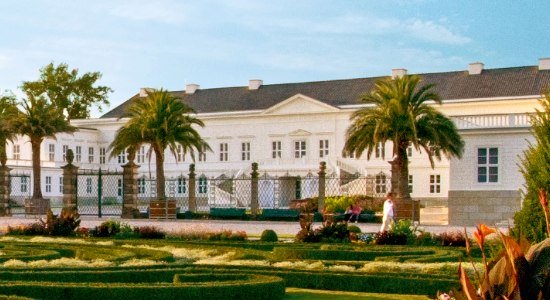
pixel 434 215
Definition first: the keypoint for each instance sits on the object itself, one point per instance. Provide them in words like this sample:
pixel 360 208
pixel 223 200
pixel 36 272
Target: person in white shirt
pixel 387 216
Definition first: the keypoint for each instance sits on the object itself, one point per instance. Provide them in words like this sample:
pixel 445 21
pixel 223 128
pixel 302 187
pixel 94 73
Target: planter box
pixel 162 209
pixel 37 206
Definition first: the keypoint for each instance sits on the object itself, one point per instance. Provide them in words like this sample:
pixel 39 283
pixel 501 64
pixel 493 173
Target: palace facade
pixel 288 129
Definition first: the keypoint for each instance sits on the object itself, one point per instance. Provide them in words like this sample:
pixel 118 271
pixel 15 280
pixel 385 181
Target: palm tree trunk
pixel 400 173
pixel 36 171
pixel 159 160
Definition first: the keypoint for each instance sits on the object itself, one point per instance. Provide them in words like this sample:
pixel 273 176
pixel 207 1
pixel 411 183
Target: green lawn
pixel 305 294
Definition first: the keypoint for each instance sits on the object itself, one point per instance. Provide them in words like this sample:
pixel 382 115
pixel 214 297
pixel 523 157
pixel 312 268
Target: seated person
pixel 348 213
pixel 355 212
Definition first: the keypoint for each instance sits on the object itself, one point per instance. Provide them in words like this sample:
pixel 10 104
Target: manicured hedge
pixel 367 254
pixel 397 283
pixel 184 286
pixel 48 251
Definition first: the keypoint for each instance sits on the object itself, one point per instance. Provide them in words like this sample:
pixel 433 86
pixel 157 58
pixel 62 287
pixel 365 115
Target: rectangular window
pixel 51 152
pixel 180 157
pixel 91 155
pixel 65 149
pixel 89 185
pixel 141 155
pixel 102 155
pixel 323 148
pixel 48 184
pixel 435 184
pixel 379 151
pixel 16 152
pixel 203 185
pixel 122 157
pixel 182 185
pixel 119 187
pixel 202 153
pixel 410 150
pixel 380 183
pixel 299 149
pixel 141 185
pixel 410 184
pixel 245 151
pixel 223 151
pixel 24 184
pixel 276 149
pixel 61 184
pixel 78 155
pixel 487 165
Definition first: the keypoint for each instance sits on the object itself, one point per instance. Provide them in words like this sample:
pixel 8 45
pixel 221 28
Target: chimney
pixel 544 64
pixel 398 73
pixel 143 92
pixel 191 88
pixel 254 84
pixel 475 68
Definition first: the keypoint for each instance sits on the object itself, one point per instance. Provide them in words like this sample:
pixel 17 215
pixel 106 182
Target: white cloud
pixel 432 31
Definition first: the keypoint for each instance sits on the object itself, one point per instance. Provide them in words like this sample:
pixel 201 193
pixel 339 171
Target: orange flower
pixel 481 232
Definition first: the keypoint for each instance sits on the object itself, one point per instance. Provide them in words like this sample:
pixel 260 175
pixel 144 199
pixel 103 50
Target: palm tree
pixel 8 117
pixel 403 115
pixel 162 121
pixel 40 119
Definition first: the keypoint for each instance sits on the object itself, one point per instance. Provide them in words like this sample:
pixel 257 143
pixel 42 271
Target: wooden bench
pixel 279 213
pixel 228 213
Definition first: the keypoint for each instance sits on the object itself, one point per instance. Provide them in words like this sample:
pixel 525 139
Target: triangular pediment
pixel 300 104
pixel 299 132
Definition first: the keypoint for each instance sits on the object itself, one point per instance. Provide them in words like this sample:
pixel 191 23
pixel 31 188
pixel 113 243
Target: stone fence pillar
pixel 70 190
pixel 192 189
pixel 130 185
pixel 254 205
pixel 4 189
pixel 322 183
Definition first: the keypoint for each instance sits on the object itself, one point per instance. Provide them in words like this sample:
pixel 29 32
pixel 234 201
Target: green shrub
pixel 269 235
pixel 354 229
pixel 108 228
pixel 330 232
pixel 127 232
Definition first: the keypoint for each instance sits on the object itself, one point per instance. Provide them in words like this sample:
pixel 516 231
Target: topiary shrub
pixel 354 229
pixel 269 235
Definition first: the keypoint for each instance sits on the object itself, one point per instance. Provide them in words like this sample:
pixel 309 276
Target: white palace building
pixel 290 128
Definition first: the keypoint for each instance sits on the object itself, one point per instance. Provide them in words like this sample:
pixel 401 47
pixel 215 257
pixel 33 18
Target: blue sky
pixel 218 43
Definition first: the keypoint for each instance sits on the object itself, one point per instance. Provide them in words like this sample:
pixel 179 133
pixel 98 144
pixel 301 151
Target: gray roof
pixel 504 82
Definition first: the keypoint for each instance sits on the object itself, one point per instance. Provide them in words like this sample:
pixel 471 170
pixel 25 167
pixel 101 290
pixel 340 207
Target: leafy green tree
pixel 531 221
pixel 66 90
pixel 162 121
pixel 8 117
pixel 400 111
pixel 40 119
pixel 51 102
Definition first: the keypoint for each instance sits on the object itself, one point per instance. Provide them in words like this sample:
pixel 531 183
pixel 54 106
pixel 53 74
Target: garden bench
pixel 280 213
pixel 228 213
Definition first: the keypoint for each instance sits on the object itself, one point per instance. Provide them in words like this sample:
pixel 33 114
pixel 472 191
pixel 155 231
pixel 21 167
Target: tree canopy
pixel 162 121
pixel 401 111
pixel 67 91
